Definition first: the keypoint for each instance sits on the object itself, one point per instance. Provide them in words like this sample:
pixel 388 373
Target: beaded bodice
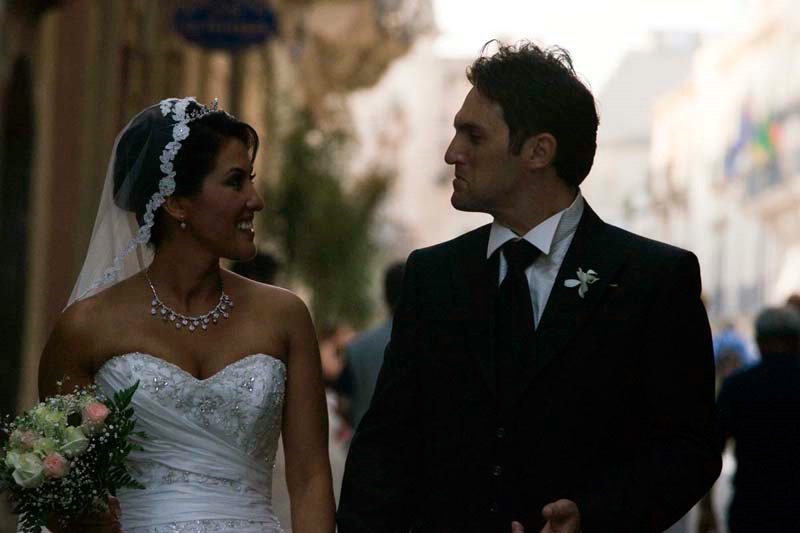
pixel 208 460
pixel 243 402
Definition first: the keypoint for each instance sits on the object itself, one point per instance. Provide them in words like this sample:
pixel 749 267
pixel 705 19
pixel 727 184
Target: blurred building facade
pixel 617 185
pixel 724 176
pixel 404 124
pixel 73 72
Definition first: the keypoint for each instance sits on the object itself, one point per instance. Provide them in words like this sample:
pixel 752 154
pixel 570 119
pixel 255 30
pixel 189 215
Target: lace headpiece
pixel 96 272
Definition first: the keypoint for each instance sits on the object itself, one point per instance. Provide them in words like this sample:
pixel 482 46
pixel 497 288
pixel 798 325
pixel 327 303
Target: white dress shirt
pixel 552 237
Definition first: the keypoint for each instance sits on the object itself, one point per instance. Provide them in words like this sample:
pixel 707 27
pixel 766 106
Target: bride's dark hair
pixel 137 163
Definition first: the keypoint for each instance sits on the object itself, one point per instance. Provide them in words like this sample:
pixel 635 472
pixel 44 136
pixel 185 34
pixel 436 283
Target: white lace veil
pixel 140 174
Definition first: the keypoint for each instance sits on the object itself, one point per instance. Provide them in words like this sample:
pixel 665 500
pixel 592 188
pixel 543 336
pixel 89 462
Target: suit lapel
pixel 474 280
pixel 566 312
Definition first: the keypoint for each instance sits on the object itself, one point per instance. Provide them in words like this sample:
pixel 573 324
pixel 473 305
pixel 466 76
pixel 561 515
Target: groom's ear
pixel 539 151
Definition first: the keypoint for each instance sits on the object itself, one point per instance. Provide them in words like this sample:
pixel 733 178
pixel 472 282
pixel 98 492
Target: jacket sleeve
pixel 678 460
pixel 378 487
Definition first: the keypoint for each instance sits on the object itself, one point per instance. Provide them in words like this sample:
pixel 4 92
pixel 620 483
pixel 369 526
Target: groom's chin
pixel 460 203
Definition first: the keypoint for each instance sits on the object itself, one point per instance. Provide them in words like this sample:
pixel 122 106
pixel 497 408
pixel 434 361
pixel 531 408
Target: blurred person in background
pixel 226 365
pixel 332 341
pixel 546 372
pixel 731 351
pixel 757 410
pixel 364 355
pixel 794 301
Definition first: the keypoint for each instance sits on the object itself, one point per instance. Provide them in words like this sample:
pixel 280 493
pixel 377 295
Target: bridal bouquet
pixel 66 455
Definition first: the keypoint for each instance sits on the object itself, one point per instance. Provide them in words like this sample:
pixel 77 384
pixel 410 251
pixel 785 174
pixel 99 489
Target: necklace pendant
pixel 192 323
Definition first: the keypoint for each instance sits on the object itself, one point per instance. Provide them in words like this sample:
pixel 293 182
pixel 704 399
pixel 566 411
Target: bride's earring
pixel 183 224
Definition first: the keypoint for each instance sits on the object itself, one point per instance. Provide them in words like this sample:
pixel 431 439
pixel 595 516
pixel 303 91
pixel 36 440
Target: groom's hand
pixel 562 516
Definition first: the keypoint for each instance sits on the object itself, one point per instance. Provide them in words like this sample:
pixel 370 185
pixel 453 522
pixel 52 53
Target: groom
pixel 547 372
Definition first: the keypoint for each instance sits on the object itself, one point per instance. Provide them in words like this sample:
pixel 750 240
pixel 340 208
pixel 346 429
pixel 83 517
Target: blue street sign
pixel 226 25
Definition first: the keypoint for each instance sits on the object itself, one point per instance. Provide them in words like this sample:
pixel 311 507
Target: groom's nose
pixel 453 155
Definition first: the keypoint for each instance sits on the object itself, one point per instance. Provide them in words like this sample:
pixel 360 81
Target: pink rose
pixel 95 414
pixel 55 465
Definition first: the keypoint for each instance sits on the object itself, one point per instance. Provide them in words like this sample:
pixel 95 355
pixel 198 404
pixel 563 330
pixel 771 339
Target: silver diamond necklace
pixel 166 313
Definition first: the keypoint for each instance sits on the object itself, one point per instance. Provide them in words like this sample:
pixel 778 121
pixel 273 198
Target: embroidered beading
pixel 242 403
pixel 159 474
pixel 251 417
pixel 207 526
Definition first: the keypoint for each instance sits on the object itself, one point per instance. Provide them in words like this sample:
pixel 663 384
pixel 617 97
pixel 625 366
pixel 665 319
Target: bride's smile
pixel 235 364
pixel 220 217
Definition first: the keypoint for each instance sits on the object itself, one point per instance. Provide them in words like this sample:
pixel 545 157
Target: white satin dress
pixel 208 460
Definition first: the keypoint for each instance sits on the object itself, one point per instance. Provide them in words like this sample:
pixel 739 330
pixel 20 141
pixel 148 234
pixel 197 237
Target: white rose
pixel 29 473
pixel 12 459
pixel 48 416
pixel 75 442
pixel 44 445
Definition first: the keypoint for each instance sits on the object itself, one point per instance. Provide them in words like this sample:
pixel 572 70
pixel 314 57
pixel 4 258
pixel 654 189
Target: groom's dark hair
pixel 539 91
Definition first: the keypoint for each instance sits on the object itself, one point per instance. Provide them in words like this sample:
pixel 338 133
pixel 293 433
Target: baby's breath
pixel 92 474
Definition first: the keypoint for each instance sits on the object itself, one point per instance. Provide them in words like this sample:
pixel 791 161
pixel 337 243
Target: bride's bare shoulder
pixel 87 324
pixel 271 301
pixel 276 304
pixel 77 320
pixel 71 349
pixel 100 305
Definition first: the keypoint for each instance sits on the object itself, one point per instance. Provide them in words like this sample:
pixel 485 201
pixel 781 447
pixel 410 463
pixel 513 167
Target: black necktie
pixel 515 325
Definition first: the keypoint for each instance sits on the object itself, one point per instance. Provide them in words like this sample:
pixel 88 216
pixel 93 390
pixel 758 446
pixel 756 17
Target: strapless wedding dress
pixel 208 460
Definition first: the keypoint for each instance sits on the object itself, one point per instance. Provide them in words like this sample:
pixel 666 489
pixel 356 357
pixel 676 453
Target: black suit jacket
pixel 613 409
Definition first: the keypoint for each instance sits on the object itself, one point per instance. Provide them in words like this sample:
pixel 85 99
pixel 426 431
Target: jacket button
pixel 493 508
pixel 497 470
pixel 500 432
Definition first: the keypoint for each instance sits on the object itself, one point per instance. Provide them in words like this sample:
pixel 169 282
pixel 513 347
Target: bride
pixel 225 364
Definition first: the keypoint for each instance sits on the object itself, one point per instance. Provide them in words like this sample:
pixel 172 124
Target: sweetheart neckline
pixel 189 374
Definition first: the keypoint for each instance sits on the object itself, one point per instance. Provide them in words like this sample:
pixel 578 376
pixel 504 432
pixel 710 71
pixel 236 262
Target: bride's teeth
pixel 245 225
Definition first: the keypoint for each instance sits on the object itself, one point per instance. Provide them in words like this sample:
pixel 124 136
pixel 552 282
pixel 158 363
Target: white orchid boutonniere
pixel 584 280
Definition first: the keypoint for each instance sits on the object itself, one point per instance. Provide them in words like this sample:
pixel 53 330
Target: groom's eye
pixel 474 134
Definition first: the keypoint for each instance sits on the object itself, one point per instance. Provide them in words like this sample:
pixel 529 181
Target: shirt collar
pixel 545 234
